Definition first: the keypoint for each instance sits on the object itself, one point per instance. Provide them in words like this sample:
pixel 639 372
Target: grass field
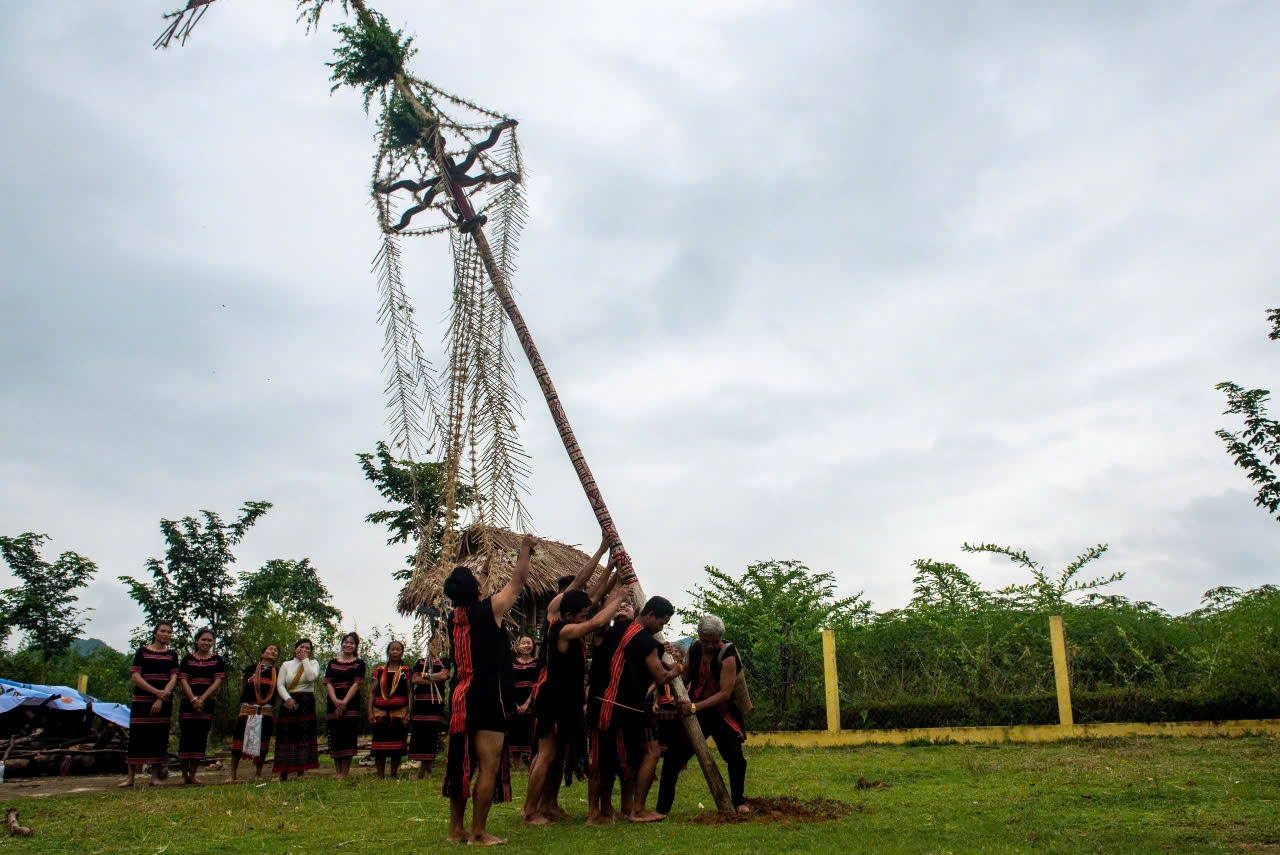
pixel 1158 795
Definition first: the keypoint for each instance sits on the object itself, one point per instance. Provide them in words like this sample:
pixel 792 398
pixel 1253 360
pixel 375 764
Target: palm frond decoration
pixel 446 164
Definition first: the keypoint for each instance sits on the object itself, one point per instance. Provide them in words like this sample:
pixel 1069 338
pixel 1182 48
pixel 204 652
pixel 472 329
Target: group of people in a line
pixel 405 705
pixel 604 718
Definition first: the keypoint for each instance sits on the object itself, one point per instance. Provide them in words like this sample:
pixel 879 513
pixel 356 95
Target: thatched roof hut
pixel 551 561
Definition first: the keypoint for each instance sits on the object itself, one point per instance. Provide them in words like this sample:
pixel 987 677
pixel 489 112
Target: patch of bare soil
pixel 769 810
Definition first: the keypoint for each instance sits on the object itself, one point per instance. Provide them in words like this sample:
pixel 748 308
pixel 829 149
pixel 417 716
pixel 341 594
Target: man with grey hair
pixel 710 673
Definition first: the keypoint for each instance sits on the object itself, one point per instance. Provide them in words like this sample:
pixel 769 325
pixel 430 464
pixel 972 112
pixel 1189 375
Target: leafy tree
pixel 774 614
pixel 193 585
pixel 292 588
pixel 416 490
pixel 44 606
pixel 1257 449
pixel 1046 592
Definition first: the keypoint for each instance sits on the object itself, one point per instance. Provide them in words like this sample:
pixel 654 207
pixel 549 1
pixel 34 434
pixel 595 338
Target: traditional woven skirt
pixel 148 733
pixel 462 765
pixel 342 734
pixel 268 720
pixel 520 733
pixel 425 737
pixel 390 735
pixel 193 730
pixel 296 747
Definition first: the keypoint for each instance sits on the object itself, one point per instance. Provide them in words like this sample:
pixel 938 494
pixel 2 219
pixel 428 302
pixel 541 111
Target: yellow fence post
pixel 833 685
pixel 82 683
pixel 1060 676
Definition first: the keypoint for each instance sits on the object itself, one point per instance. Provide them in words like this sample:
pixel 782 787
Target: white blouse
pixel 308 682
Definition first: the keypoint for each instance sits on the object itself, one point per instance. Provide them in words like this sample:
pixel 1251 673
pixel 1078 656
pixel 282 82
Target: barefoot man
pixel 477 764
pixel 561 727
pixel 625 739
pixel 551 791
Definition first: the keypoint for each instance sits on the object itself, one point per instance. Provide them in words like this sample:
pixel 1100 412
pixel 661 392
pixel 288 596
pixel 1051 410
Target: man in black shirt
pixel 626 738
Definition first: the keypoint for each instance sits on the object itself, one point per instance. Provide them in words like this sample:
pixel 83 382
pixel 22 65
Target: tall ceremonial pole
pixel 475 226
pixel 469 222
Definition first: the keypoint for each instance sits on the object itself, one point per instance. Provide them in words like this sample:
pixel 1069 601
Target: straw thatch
pixel 551 560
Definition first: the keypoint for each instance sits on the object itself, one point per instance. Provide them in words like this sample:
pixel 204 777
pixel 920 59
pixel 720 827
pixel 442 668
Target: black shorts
pixel 618 751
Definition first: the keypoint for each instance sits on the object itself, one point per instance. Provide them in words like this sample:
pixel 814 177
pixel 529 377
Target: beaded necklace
pixel 257 685
pixel 395 684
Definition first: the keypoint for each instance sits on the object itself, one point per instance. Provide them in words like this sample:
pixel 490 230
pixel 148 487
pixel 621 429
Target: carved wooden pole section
pixel 475 227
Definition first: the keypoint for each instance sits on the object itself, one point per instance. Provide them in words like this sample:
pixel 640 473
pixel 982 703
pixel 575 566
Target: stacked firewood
pixel 38 752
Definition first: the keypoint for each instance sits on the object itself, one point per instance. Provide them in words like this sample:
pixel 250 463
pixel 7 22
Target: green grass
pixel 1120 796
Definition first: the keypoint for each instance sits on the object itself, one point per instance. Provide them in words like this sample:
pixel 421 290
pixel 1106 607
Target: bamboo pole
pixel 474 225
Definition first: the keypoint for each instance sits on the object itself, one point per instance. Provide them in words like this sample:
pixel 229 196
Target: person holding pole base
pixel 711 700
pixel 476 766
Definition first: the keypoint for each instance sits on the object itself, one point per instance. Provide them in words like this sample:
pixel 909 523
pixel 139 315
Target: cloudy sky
pixel 846 282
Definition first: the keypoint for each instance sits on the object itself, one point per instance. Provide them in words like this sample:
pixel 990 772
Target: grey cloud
pixel 850 284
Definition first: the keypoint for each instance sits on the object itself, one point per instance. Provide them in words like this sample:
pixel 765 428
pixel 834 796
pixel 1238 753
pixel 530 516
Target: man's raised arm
pixel 503 600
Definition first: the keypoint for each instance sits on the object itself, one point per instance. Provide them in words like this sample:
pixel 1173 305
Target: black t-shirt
pixel 601 662
pixel 562 696
pixel 636 677
pixel 479 656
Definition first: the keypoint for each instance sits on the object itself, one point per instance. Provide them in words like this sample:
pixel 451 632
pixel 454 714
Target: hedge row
pixel 1086 707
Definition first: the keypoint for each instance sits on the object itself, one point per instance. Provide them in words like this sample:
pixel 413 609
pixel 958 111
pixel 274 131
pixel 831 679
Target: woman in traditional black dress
pixel 200 675
pixel 257 694
pixel 390 705
pixel 154 673
pixel 342 680
pixel 427 720
pixel 524 673
pixel 296 748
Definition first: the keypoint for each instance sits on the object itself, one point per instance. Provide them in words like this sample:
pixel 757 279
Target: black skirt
pixel 237 740
pixel 390 736
pixel 193 730
pixel 342 735
pixel 520 733
pixel 424 738
pixel 296 746
pixel 148 733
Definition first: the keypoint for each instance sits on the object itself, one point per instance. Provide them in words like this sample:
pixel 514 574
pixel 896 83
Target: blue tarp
pixel 58 697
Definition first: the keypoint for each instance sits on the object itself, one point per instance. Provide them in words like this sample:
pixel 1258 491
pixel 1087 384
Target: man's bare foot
pixel 646 816
pixel 558 812
pixel 457 835
pixel 485 839
pixel 155 783
pixel 537 819
pixel 124 785
pixel 743 809
pixel 596 819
